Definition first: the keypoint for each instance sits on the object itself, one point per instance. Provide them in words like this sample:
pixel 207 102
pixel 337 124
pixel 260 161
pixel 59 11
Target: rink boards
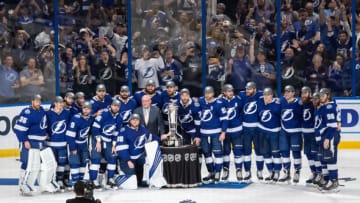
pixel 350 134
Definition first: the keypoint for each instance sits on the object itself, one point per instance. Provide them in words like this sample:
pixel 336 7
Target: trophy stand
pixel 174 139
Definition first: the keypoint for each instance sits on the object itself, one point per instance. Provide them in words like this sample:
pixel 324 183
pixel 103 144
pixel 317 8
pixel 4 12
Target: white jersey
pixel 148 70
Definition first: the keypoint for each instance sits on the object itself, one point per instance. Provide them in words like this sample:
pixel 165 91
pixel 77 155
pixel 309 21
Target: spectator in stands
pixel 106 72
pixel 238 71
pixel 9 81
pixel 148 67
pixel 316 75
pixel 83 79
pixel 31 79
pixel 172 70
pixel 335 76
pixel 21 49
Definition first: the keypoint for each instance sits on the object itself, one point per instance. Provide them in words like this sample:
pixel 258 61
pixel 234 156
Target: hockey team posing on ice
pixel 106 137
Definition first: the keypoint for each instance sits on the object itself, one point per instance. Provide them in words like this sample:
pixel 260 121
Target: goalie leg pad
pixel 155 170
pixel 27 183
pixel 47 180
pixel 128 182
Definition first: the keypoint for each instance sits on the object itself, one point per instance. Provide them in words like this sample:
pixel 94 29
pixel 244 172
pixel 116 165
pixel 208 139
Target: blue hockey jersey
pixel 188 117
pixel 107 126
pixel 155 99
pixel 57 126
pixel 165 101
pixel 269 116
pixel 31 126
pixel 234 108
pixel 291 115
pixel 98 104
pixel 131 142
pixel 308 118
pixel 250 118
pixel 75 109
pixel 126 108
pixel 213 117
pixel 78 131
pixel 331 116
pixel 319 126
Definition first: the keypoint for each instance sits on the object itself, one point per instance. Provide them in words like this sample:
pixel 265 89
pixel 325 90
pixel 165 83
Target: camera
pixel 89 191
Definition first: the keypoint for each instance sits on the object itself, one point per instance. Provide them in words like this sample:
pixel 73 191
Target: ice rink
pixel 349 170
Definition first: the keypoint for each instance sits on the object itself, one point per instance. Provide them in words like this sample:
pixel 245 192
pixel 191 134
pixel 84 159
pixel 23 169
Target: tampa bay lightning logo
pixel 140 142
pixel 58 127
pixel 109 129
pixel 11 77
pixel 266 116
pixel 316 3
pixel 125 115
pixel 318 122
pixel 166 78
pixel 231 113
pixel 43 123
pixel 149 72
pixel 287 115
pixel 105 74
pixel 289 72
pixel 306 114
pixel 83 79
pixel 206 115
pixel 285 45
pixel 186 118
pixel 165 108
pixel 84 132
pixel 250 108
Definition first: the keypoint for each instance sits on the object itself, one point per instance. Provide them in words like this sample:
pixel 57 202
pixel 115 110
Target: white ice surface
pixel 349 166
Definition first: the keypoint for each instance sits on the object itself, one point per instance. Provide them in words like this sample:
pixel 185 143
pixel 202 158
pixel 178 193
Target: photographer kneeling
pixel 83 193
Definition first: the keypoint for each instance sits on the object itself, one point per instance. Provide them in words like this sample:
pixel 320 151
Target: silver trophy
pixel 174 139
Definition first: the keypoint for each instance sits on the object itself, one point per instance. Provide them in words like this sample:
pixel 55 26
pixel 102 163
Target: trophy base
pixel 172 143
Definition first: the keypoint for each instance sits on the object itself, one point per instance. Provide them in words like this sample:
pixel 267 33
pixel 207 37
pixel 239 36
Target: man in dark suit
pixel 79 189
pixel 150 116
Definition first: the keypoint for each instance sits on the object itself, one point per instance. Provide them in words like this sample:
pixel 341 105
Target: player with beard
pixel 188 118
pixel 128 103
pixel 233 104
pixel 308 130
pixel 100 101
pixel 79 102
pixel 330 139
pixel 150 89
pixel 250 98
pixel 170 95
